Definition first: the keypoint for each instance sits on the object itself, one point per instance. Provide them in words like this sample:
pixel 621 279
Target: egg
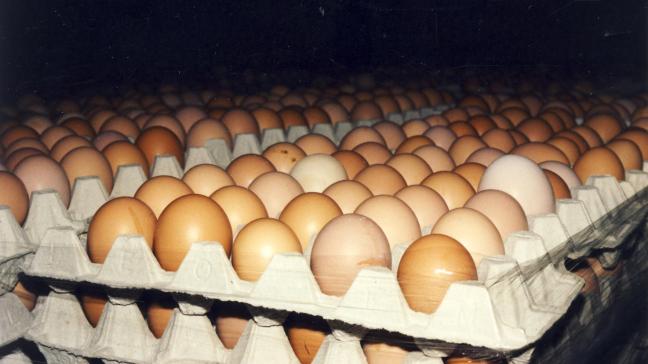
pixel 576 138
pixel 392 349
pixel 482 124
pixel 66 145
pixel 15 133
pixel 38 122
pixel 628 152
pixel 366 110
pixel 307 214
pixel 103 139
pixel 415 127
pixel 204 179
pixel 360 135
pixel 122 153
pixel 639 137
pixel 535 129
pixel 391 133
pixel 427 205
pixel 284 156
pixel 436 120
pixel 472 172
pixel 189 219
pixel 348 194
pixel 591 137
pixel 453 188
pixel 540 152
pixel 316 144
pixel 567 147
pixel 463 147
pixel 501 209
pixel 558 186
pixel 381 179
pixel 100 117
pixel 318 171
pixel 156 141
pixel 352 162
pixel 93 300
pixel 122 125
pixel 168 122
pixel 119 216
pixel 343 247
pixel 39 172
pixel 23 143
pixel 429 266
pixel 159 311
pixel 473 230
pixel 438 159
pixel 605 125
pixel 411 167
pixel 484 156
pixel 275 190
pixel 523 180
pixel 248 167
pixel 86 162
pixel 240 205
pixel 499 139
pixel 205 130
pixel 24 290
pixel 292 116
pixel 239 121
pixel 231 320
pixel 257 243
pixel 188 116
pixel 79 126
pixel 305 335
pixel 158 192
pixel 53 134
pixel 441 136
pixel 14 159
pixel 599 161
pixel 335 111
pixel 566 174
pixel 393 216
pixel 14 195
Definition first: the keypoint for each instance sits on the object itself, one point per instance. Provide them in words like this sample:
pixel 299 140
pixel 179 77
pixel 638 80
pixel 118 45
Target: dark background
pixel 58 46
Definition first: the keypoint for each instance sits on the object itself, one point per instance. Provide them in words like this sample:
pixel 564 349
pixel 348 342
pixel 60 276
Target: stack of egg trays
pixel 517 298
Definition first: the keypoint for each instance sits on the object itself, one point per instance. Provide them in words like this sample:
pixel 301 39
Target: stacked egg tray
pixel 517 298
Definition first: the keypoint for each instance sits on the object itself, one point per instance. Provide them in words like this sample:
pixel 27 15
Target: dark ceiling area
pixel 58 46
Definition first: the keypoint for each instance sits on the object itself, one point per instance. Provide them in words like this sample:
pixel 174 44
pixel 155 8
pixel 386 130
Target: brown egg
pixel 315 115
pixel 639 137
pixel 267 118
pixel 12 160
pixel 473 230
pixel 292 116
pixel 366 110
pixel 316 143
pixel 247 167
pixel 467 360
pixel 352 162
pixel 158 192
pixel 159 311
pixel 348 194
pixel 119 216
pixel 123 153
pixel 436 120
pixel 404 102
pixel 463 147
pixel 284 156
pixel 373 153
pixel 168 122
pixel 567 147
pixel 363 244
pixel 461 128
pixel 122 125
pixel 336 112
pixel 441 136
pixel 540 152
pixel 15 133
pixel 66 145
pixel 318 171
pixel 429 266
pixel 554 121
pixel 518 137
pixel 188 116
pixel 437 158
pixel 204 179
pixel 205 130
pixel 558 186
pixel 482 124
pixel 25 294
pixel 275 190
pixel 240 205
pixel 427 205
pixel 53 134
pixel 305 334
pixel 14 195
pixel 105 138
pixel 381 179
pixel 455 115
pixel 484 156
pixel 411 167
pixel 454 189
pixel 240 121
pixel 628 152
pixel 515 115
pixel 360 135
pixel 79 126
pixel 391 133
pixel 501 209
pixel 411 144
pixel 598 161
pixel 231 320
pixel 393 216
pixel 39 172
pixel 415 127
pixel 606 126
pixel 100 117
pixel 472 172
pixel 86 162
pixel 576 138
pixel 26 143
pixel 535 129
pixel 38 122
pixel 590 136
pixel 257 243
pixel 387 104
pixel 189 219
pixel 93 300
pixel 156 141
pixel 387 350
pixel 307 214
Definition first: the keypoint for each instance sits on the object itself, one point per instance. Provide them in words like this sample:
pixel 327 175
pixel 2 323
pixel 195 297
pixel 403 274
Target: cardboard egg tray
pixel 517 298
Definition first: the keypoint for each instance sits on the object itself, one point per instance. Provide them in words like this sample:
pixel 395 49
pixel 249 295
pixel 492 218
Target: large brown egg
pixel 473 230
pixel 122 125
pixel 540 152
pixel 427 205
pixel 352 162
pixel 100 117
pixel 318 171
pixel 292 116
pixel 307 214
pixel 472 172
pixel 156 141
pixel 348 194
pixel 39 172
pixel 567 147
pixel 395 218
pixel 564 171
pixel 639 137
pixel 412 143
pixel 316 143
pixel 336 112
pixel 482 124
pixel 366 110
pixel 576 138
pixel 535 129
pixel 438 159
pixel 441 136
pixel 591 137
pixel 436 120
pixel 387 104
pixel 15 133
pixel 429 266
pixel 231 320
pixel 168 122
pixel 275 190
pixel 239 121
pixel 66 145
pixel 373 153
pixel 93 300
pixel 411 167
pixel 120 216
pixel 381 179
pixel 79 126
pixel 159 311
pixel 12 160
pixel 605 125
pixel 463 147
pixel 240 205
pixel 628 152
pixel 305 334
pixel 485 156
pixel 501 209
pixel 391 133
pixel 360 135
pixel 204 179
pixel 599 161
pixel 38 122
pixel 343 247
pixel 267 118
pixel 53 134
pixel 284 156
pixel 415 127
pixel 158 192
pixel 188 116
pixel 14 195
pixel 103 139
pixel 257 243
pixel 123 153
pixel 189 219
pixel 85 162
pixel 558 186
pixel 462 128
pixel 247 167
pixel 454 189
pixel 26 143
pixel 315 115
pixel 205 130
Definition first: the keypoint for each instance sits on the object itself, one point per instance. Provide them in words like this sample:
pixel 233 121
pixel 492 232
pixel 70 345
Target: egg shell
pixel 159 311
pixel 168 122
pixel 267 118
pixel 231 320
pixel 316 144
pixel 257 243
pixel 188 116
pixel 540 152
pixel 639 137
pixel 103 139
pixel 15 133
pixel 122 153
pixel 484 156
pixel 373 153
pixel 240 205
pixel 348 194
pixel 453 188
pixel 158 192
pixel 343 247
pixel 79 126
pixel 122 125
pixel 605 125
pixel 391 133
pixel 412 143
pixel 318 171
pixel 384 352
pixel 275 190
pixel 307 214
pixel 87 162
pixel 14 195
pixel 628 152
pixel 558 186
pixel 93 302
pixel 305 335
pixel 472 172
pixel 411 167
pixel 463 147
pixel 352 162
pixel 38 122
pixel 599 161
pixel 381 179
pixel 366 110
pixel 360 135
pixel 53 134
pixel 66 145
pixel 205 130
pixel 393 216
pixel 567 147
pixel 441 136
pixel 26 143
pixel 535 129
pixel 438 159
pixel 427 205
pixel 189 219
pixel 247 168
pixel 564 171
pixel 292 116
pixel 12 160
pixel 284 156
pixel 591 137
pixel 157 141
pixel 415 127
pixel 501 209
pixel 204 179
pixel 25 294
pixel 576 138
pixel 39 172
pixel 428 267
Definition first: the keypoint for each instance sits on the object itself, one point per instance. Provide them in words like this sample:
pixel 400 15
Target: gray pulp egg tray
pixel 516 299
